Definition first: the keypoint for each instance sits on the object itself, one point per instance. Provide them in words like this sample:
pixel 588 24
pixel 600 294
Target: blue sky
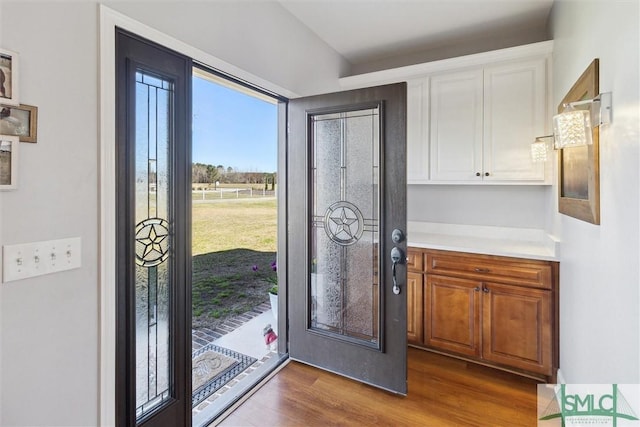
pixel 233 129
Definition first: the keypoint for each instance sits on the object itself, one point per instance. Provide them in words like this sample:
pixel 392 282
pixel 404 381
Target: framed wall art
pixel 9 147
pixel 20 121
pixel 9 77
pixel 579 167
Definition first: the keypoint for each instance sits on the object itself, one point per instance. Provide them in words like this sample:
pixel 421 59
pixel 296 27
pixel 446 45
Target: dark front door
pixel 347 195
pixel 153 381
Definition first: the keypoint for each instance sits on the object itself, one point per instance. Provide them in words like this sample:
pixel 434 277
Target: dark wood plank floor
pixel 442 392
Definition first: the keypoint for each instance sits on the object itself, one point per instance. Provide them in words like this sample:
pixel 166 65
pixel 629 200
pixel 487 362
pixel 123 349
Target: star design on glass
pixel 152 242
pixel 343 223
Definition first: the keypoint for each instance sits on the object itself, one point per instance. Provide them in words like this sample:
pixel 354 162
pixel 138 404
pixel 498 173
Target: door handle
pixel 397 257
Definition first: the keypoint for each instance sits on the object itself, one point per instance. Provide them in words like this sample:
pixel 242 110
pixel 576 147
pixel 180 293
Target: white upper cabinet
pixel 483 122
pixel 417 130
pixel 456 126
pixel 472 119
pixel 514 115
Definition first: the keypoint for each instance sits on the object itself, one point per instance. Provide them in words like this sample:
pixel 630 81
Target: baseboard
pixel 533 376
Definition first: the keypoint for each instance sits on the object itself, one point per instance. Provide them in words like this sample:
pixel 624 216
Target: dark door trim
pixel 133 50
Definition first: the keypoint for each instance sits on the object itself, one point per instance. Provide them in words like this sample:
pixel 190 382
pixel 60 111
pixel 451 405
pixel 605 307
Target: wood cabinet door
pixel 516 327
pixel 514 115
pixel 456 126
pixel 415 318
pixel 414 260
pixel 452 313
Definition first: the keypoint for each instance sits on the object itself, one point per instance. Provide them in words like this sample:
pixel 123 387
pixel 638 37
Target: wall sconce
pixel 573 127
pixel 540 147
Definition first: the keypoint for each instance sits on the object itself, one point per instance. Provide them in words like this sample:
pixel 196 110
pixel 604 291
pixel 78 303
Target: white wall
pixel 599 269
pixel 499 37
pixel 502 206
pixel 260 37
pixel 49 325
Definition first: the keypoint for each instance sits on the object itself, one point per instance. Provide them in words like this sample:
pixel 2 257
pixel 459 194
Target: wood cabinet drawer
pixel 414 260
pixel 530 273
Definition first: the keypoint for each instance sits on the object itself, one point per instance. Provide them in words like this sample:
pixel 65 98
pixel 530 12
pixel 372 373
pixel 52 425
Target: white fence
pixel 230 193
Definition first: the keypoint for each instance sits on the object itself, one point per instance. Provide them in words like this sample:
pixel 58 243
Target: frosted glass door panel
pixel 344 294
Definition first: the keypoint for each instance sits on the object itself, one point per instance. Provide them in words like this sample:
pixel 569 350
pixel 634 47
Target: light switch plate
pixel 35 259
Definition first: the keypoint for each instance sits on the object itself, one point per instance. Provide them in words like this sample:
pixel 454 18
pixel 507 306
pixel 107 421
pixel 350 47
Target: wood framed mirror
pixel 579 167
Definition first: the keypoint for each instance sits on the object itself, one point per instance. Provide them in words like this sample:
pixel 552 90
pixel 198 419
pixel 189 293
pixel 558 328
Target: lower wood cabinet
pixel 415 320
pixel 452 308
pixel 517 327
pixel 498 311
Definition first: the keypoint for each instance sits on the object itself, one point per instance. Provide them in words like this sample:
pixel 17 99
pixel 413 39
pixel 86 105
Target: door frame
pixel 138 56
pixel 109 20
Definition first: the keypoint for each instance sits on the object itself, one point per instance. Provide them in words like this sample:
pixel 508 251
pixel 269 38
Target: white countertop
pixel 504 241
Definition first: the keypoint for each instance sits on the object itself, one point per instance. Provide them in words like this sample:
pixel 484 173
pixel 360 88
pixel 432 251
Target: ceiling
pixel 373 30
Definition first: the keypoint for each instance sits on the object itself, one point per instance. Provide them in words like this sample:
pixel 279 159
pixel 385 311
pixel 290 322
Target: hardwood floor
pixel 442 392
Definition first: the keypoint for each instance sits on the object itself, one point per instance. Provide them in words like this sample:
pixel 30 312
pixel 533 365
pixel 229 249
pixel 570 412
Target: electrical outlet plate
pixel 35 259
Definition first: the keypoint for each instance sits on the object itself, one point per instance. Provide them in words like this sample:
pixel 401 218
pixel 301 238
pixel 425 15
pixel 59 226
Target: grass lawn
pixel 229 237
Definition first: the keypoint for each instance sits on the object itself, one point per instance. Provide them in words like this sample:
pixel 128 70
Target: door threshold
pixel 230 401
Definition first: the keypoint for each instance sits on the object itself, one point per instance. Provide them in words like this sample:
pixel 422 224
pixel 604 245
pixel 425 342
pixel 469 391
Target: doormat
pixel 213 367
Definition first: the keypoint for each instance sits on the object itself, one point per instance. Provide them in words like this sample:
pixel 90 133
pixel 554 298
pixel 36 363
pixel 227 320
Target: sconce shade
pixel 572 128
pixel 539 149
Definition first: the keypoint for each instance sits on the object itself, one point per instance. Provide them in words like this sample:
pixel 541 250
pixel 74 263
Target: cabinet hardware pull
pixel 481 270
pixel 477 173
pixel 486 174
pixel 477 289
pixel 486 290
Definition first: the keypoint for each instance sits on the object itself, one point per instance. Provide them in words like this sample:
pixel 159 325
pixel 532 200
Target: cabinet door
pixel 414 260
pixel 514 114
pixel 516 327
pixel 414 308
pixel 418 131
pixel 456 126
pixel 452 313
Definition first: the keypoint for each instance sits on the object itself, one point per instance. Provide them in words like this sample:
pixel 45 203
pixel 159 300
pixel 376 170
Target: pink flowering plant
pixel 271 276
